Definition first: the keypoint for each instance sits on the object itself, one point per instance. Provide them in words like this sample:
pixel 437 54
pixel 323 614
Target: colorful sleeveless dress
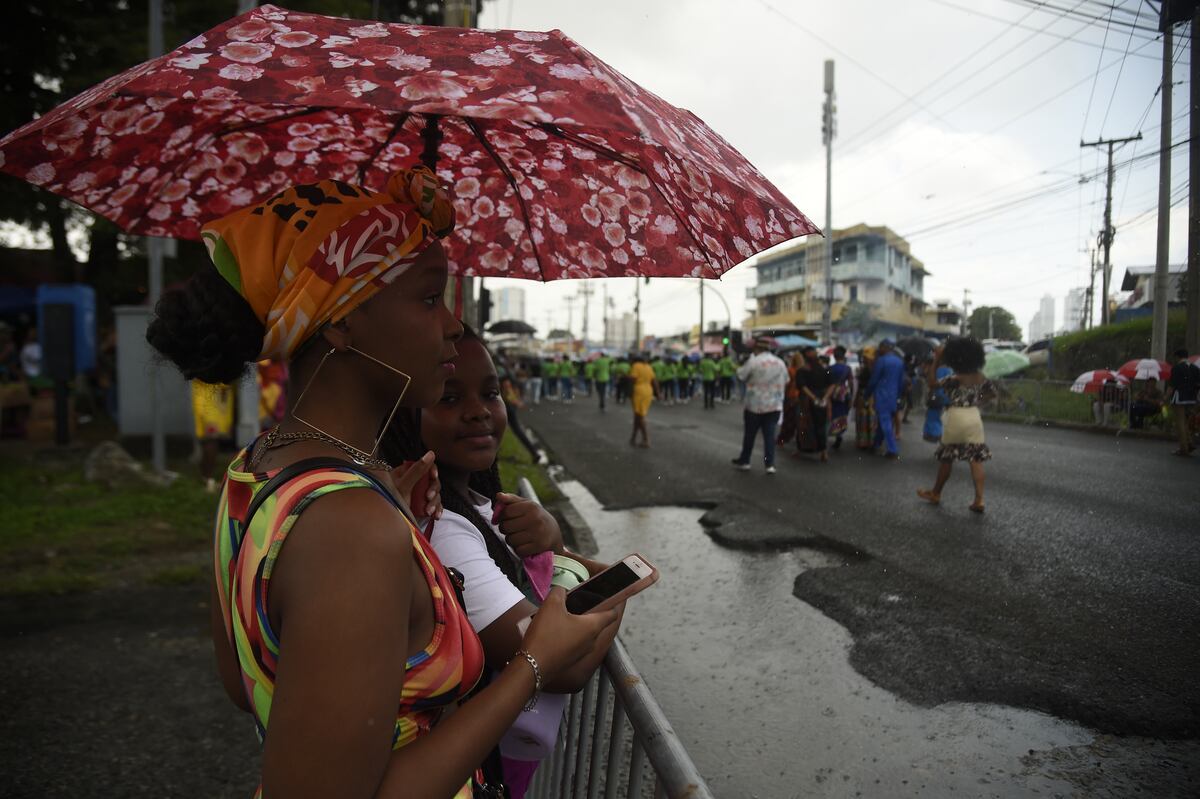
pixel 438 676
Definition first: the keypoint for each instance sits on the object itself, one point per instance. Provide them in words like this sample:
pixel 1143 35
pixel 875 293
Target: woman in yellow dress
pixel 212 412
pixel 644 389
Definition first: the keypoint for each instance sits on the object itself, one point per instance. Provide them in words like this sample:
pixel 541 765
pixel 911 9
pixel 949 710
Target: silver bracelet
pixel 537 678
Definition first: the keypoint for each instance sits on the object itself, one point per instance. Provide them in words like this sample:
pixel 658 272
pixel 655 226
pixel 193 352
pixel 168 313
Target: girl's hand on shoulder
pixel 527 527
pixel 417 482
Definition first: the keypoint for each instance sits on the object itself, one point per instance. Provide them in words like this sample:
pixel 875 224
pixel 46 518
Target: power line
pixel 977 95
pixel 1120 70
pixel 1072 13
pixel 973 54
pixel 1096 79
pixel 975 13
pixel 875 191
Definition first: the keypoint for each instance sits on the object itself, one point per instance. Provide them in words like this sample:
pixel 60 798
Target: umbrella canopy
pixel 512 327
pixel 561 166
pixel 916 346
pixel 1145 369
pixel 1001 363
pixel 1091 382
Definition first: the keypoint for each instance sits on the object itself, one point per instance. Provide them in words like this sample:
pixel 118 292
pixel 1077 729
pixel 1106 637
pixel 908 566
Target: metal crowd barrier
pixel 596 755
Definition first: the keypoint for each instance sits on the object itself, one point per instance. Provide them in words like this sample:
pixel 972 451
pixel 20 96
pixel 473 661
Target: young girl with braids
pixel 502 543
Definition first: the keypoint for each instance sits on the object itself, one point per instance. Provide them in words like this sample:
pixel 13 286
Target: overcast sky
pixel 945 108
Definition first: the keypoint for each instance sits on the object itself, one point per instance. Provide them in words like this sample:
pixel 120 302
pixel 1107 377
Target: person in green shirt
pixel 566 377
pixel 689 379
pixel 657 366
pixel 708 376
pixel 550 378
pixel 589 376
pixel 602 376
pixel 726 370
pixel 670 368
pixel 621 372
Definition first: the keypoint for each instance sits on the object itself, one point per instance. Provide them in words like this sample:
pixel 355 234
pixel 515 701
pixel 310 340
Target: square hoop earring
pixel 375 449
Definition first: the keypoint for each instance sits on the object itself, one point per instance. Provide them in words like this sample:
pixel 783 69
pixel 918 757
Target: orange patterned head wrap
pixel 311 254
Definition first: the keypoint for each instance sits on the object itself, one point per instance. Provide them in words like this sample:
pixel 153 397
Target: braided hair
pixel 402 442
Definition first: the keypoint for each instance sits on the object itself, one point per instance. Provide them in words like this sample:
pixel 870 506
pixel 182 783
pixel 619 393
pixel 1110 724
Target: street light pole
pixel 827 130
pixel 700 338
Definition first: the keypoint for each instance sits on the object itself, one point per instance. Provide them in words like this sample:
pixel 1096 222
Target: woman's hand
pixel 418 484
pixel 527 527
pixel 558 638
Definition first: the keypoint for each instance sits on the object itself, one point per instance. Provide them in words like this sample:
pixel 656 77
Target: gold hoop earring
pixel 360 456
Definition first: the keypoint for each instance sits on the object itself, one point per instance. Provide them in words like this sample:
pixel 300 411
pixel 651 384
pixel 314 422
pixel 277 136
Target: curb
pixel 577 533
pixel 1081 427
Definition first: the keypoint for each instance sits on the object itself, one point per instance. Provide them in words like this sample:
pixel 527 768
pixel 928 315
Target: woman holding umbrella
pixel 962 434
pixel 335 625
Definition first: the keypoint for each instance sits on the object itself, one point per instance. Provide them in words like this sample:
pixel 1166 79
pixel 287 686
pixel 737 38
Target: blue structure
pixel 83 299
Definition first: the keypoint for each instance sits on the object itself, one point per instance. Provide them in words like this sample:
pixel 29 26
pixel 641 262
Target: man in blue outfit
pixel 886 386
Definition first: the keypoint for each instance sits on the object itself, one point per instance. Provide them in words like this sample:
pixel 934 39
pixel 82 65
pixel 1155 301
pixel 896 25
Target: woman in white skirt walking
pixel 962 427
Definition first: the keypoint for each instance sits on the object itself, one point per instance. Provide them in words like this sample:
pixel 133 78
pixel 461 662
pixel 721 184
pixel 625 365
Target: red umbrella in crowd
pixel 1091 382
pixel 1145 369
pixel 561 166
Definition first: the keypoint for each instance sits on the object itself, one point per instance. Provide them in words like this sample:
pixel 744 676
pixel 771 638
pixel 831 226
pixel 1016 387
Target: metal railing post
pixel 593 783
pixel 589 696
pixel 616 749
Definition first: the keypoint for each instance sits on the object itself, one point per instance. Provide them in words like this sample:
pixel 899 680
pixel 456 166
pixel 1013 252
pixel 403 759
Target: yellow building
pixel 872 265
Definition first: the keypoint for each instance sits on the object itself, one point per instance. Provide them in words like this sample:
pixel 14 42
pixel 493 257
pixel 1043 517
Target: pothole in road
pixel 760 690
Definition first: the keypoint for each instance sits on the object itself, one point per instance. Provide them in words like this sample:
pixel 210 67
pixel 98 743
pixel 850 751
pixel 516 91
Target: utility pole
pixel 461 14
pixel 1106 235
pixel 1192 336
pixel 637 311
pixel 571 316
pixel 828 130
pixel 966 312
pixel 991 332
pixel 154 258
pixel 585 293
pixel 1162 256
pixel 1088 305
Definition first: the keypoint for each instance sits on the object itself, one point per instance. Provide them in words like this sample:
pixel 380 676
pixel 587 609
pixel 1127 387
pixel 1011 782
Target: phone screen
pixel 610 582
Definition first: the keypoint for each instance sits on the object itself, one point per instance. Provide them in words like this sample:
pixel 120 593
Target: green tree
pixel 857 316
pixel 992 321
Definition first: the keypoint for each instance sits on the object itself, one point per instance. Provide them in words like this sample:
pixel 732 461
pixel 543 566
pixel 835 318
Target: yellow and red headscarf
pixel 313 253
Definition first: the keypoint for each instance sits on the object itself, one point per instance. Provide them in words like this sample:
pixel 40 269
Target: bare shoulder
pixel 352 531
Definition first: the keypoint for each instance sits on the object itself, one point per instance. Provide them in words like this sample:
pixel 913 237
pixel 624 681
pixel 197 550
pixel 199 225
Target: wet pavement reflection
pixel 759 687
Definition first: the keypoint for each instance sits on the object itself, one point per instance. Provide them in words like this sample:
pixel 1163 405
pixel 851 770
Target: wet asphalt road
pixel 1074 595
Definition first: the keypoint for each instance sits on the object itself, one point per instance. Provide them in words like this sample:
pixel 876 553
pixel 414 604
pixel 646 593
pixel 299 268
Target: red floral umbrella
pixel 561 166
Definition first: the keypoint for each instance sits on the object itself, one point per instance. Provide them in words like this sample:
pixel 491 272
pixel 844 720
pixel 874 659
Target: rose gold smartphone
pixel 613 585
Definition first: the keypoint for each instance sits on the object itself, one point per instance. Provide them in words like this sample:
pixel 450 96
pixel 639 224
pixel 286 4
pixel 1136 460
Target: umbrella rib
pixel 474 126
pixel 362 170
pixel 636 165
pixel 262 123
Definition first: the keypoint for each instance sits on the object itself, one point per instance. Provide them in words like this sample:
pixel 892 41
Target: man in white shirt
pixel 766 379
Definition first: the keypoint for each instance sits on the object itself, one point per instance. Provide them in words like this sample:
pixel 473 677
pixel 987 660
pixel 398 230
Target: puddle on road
pixel 759 687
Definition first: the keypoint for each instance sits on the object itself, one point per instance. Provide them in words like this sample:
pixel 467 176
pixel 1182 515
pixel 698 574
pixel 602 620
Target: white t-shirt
pixel 488 593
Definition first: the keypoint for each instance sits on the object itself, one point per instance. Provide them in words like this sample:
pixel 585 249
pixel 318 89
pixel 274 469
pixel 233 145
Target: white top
pixel 31 359
pixel 766 379
pixel 488 594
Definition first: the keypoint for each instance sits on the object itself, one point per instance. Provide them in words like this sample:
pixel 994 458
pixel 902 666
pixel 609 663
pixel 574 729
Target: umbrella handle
pixel 432 135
